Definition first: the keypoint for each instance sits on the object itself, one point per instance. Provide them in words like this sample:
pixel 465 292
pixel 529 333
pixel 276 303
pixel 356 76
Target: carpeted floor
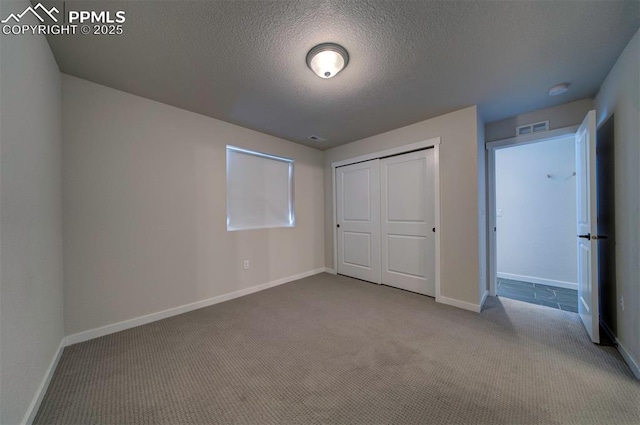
pixel 334 350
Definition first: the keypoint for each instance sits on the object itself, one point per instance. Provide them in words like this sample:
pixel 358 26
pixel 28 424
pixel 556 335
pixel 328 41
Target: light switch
pixel 499 212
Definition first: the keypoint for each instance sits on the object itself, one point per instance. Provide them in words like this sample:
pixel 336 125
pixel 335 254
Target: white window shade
pixel 259 190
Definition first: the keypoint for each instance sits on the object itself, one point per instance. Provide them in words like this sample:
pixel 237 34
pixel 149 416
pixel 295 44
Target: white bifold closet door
pixel 408 221
pixel 386 218
pixel 358 220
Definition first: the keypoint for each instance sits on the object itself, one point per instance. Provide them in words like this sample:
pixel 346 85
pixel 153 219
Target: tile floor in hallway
pixel 535 293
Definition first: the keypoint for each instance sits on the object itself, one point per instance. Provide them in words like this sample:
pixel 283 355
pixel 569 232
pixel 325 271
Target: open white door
pixel 358 220
pixel 588 302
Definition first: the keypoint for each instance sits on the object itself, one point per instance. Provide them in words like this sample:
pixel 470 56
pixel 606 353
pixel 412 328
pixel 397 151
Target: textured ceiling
pixel 244 61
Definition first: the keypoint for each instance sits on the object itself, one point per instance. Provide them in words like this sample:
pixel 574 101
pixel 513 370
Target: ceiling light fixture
pixel 327 59
pixel 558 89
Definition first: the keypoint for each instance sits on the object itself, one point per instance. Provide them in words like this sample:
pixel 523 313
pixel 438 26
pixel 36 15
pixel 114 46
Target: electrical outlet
pixel 622 302
pixel 245 264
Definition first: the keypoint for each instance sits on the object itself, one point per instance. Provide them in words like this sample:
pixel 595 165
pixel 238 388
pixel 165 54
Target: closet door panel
pixel 358 220
pixel 407 221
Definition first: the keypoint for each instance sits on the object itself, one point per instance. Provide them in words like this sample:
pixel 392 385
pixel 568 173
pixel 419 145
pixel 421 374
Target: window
pixel 259 190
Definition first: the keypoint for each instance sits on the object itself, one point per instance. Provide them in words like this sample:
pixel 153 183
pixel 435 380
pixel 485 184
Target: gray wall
pixel 565 115
pixel 145 208
pixel 458 196
pixel 31 327
pixel 620 95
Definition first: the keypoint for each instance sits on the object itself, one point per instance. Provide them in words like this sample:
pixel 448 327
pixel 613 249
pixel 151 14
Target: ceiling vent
pixel 317 139
pixel 532 128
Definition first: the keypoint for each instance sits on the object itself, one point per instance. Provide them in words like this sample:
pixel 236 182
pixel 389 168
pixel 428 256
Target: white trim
pixel 44 384
pixel 388 152
pixel 436 170
pixel 330 271
pixel 334 189
pixel 491 187
pixel 491 215
pixel 540 280
pixel 460 304
pixel 483 298
pixel 435 144
pixel 143 320
pixel 626 356
pixel 558 133
pixel 629 360
pixel 493 222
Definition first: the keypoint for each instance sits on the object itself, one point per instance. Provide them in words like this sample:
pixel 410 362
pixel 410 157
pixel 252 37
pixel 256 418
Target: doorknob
pixel 337 225
pixel 594 237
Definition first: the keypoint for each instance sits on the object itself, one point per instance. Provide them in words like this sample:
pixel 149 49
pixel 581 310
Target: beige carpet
pixel 335 350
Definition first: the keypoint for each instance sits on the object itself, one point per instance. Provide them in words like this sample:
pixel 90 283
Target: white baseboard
pixel 42 389
pixel 328 270
pixel 630 361
pixel 623 351
pixel 143 320
pixel 541 281
pixel 460 304
pixel 483 299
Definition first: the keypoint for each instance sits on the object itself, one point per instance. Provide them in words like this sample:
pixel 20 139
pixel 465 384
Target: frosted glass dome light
pixel 327 59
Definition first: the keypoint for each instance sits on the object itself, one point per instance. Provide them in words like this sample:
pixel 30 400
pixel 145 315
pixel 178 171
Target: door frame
pixel 492 147
pixel 430 143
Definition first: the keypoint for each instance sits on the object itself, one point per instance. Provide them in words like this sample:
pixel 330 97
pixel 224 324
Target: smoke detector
pixel 558 89
pixel 317 138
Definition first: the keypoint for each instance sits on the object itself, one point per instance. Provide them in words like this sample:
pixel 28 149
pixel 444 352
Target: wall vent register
pixel 532 128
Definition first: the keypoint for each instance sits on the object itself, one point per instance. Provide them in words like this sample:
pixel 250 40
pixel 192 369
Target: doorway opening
pixel 587 237
pixel 535 200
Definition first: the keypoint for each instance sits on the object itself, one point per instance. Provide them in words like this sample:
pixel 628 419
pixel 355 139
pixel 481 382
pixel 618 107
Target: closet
pixel 385 221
